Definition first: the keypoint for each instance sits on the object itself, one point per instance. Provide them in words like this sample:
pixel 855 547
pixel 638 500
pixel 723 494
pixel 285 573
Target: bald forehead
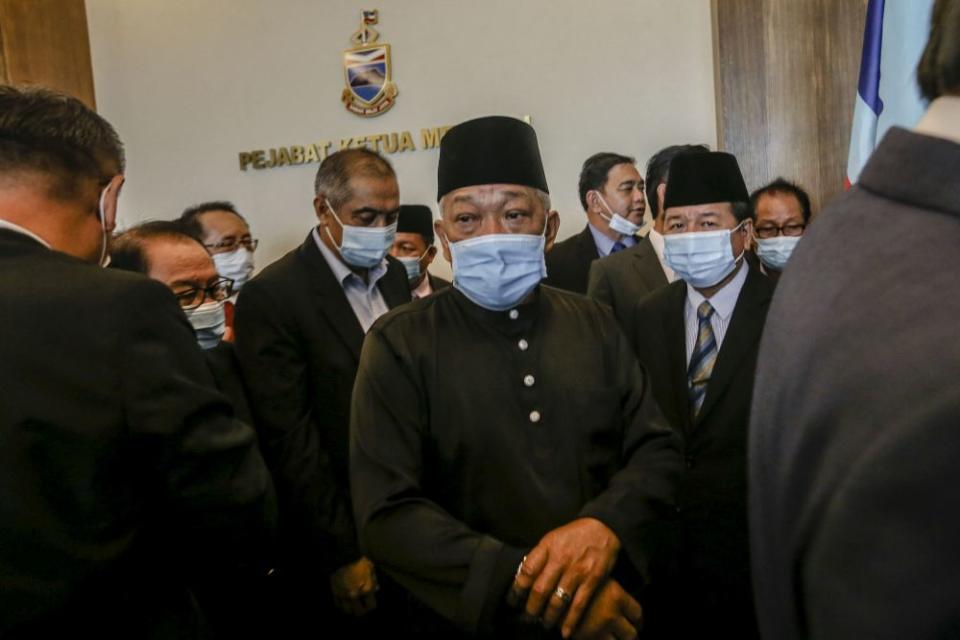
pixel 175 260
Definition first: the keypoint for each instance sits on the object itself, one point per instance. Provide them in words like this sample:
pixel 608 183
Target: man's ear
pixel 321 209
pixel 111 196
pixel 431 254
pixel 553 227
pixel 444 242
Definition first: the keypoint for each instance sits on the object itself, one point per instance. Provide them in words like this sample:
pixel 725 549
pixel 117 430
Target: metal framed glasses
pixel 769 231
pixel 193 298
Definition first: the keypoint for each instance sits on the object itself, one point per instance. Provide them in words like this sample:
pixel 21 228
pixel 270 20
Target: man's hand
pixel 354 587
pixel 613 613
pixel 564 570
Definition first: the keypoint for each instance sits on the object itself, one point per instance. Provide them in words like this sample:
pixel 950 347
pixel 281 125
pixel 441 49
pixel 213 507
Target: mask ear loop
pixel 104 258
pixel 326 229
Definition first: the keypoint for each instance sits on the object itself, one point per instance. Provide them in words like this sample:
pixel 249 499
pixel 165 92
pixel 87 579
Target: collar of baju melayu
pixel 514 321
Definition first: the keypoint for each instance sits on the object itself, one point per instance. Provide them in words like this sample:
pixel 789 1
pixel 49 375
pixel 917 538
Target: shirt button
pixel 514 314
pixel 534 416
pixel 524 345
pixel 528 380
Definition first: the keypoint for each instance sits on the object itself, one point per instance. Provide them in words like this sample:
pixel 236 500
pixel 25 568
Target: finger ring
pixel 563 594
pixel 520 567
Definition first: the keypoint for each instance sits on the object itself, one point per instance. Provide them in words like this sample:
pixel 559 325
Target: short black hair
pixel 55 135
pixel 658 170
pixel 128 250
pixel 780 185
pixel 334 173
pixel 938 72
pixel 190 218
pixel 594 173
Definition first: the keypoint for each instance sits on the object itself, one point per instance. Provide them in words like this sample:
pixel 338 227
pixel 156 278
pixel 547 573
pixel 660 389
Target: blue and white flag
pixel 893 40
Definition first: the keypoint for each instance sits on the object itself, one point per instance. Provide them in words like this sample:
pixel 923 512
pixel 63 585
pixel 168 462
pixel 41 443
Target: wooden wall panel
pixel 45 42
pixel 786 82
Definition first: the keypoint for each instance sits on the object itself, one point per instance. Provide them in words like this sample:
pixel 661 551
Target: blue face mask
pixel 412 265
pixel 701 258
pixel 775 252
pixel 617 222
pixel 209 322
pixel 498 271
pixel 363 247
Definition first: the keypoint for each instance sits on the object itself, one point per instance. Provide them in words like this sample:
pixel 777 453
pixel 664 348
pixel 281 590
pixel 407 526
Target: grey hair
pixel 333 176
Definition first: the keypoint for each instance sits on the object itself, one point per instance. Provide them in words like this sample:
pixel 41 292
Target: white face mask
pixel 236 265
pixel 701 258
pixel 209 321
pixel 775 252
pixel 617 222
pixel 412 265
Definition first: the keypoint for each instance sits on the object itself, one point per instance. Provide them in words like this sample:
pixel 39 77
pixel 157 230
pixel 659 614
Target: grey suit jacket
pixel 623 278
pixel 855 432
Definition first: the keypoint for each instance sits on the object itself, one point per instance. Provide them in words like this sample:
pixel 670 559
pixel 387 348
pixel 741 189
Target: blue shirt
pixel 364 297
pixel 605 244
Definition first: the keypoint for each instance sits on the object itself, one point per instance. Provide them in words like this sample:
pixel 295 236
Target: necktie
pixel 617 246
pixel 703 358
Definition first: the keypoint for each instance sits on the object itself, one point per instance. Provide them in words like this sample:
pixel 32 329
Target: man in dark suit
pixel 415 249
pixel 854 510
pixel 123 474
pixel 611 192
pixel 781 213
pixel 299 328
pixel 621 279
pixel 698 337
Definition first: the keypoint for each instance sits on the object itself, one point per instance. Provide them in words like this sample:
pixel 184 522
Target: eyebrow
pixel 626 182
pixel 375 211
pixel 502 197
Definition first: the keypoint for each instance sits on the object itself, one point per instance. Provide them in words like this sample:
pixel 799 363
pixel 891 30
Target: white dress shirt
pixel 4 224
pixel 656 239
pixel 423 289
pixel 364 297
pixel 723 303
pixel 942 119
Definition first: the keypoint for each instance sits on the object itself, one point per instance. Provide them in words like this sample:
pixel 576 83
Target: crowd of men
pixel 557 443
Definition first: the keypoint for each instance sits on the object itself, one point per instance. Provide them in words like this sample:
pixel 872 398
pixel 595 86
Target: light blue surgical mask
pixel 617 222
pixel 775 252
pixel 209 321
pixel 363 247
pixel 412 265
pixel 701 258
pixel 236 265
pixel 497 271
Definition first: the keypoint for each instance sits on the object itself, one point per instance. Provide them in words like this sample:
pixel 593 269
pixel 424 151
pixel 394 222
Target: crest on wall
pixel 370 90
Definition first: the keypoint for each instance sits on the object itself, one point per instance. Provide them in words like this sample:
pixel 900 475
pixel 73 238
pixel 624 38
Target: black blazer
pixel 568 262
pixel 854 441
pixel 622 279
pixel 437 283
pixel 703 569
pixel 123 475
pixel 298 341
pixel 225 367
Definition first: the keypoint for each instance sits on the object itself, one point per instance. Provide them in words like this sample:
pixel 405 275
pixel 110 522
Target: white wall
pixel 190 83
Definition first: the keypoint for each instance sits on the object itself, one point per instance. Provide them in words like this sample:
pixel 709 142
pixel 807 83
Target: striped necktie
pixel 703 358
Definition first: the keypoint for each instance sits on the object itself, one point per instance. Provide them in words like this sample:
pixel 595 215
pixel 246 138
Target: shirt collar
pixel 423 289
pixel 942 119
pixel 723 301
pixel 605 244
pixel 342 272
pixel 4 224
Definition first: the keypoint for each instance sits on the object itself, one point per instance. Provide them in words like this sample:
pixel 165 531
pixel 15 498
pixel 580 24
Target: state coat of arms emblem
pixel 370 90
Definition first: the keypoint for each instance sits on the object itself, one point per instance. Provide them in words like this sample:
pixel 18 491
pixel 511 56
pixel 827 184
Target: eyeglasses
pixel 233 243
pixel 193 298
pixel 767 232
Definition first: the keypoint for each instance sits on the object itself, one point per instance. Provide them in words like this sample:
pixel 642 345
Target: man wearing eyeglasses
pixel 781 212
pixel 226 235
pixel 300 324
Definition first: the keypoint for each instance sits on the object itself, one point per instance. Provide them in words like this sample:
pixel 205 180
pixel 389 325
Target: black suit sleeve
pixel 598 284
pixel 461 573
pixel 216 494
pixel 318 522
pixel 644 489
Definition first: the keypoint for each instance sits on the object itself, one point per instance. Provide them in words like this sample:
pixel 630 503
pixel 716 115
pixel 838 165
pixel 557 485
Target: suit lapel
pixel 648 267
pixel 332 302
pixel 588 248
pixel 675 344
pixel 742 335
